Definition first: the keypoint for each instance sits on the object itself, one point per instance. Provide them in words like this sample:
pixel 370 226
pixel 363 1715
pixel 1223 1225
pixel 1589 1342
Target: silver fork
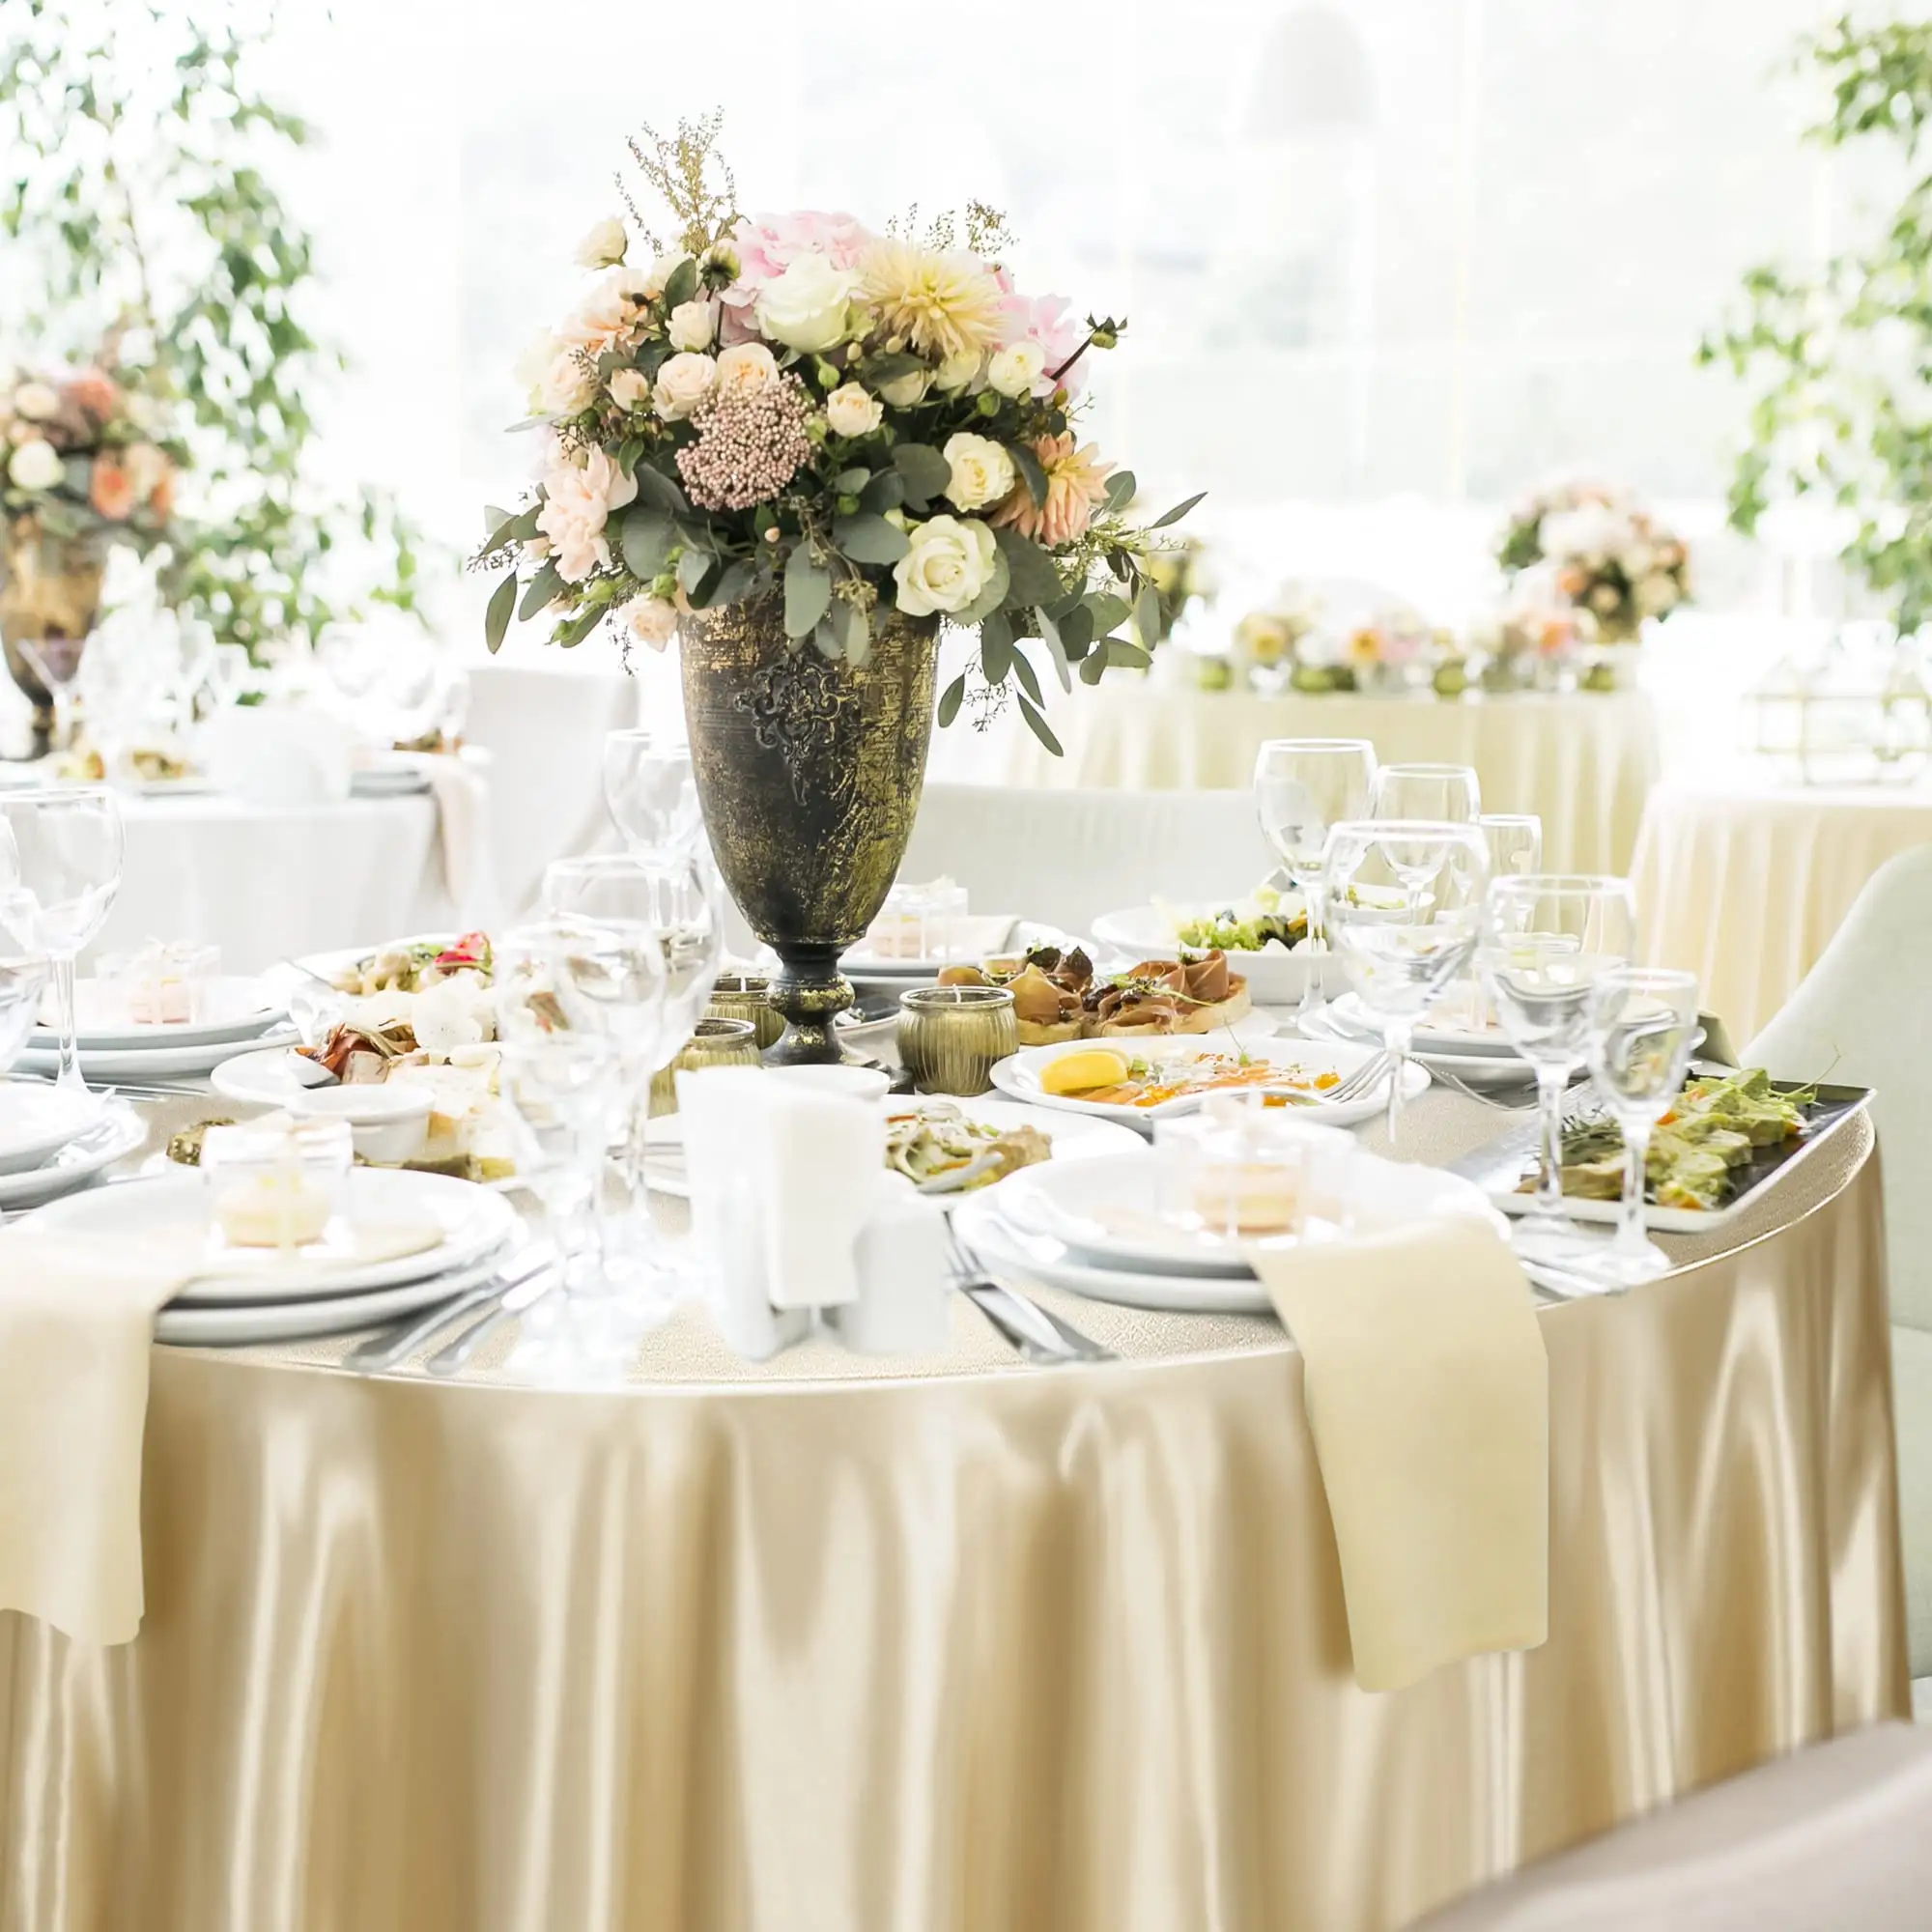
pixel 1039 1334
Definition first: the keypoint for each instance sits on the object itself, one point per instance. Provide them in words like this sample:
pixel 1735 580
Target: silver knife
pixel 448 1360
pixel 384 1350
pixel 1036 1332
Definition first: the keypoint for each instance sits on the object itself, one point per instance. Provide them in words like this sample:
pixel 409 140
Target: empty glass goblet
pixel 1515 842
pixel 1644 1026
pixel 652 795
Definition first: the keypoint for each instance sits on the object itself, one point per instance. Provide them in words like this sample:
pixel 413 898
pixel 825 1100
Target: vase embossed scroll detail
pixel 49 597
pixel 810 774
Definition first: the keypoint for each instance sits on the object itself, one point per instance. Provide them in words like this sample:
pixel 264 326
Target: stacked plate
pixel 235 1014
pixel 1092 1229
pixel 390 775
pixel 51 1142
pixel 465 1236
pixel 986 938
pixel 1455 1038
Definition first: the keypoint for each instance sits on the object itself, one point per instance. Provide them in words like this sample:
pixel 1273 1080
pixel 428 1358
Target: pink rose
pixel 1044 320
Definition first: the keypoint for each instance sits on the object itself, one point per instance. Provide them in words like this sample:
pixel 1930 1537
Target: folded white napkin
pixel 76 1322
pixel 463 807
pixel 902 1306
pixel 1428 1396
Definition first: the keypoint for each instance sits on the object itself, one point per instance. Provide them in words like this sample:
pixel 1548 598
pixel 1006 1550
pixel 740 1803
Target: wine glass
pixel 70 848
pixel 652 795
pixel 1428 794
pixel 1302 787
pixel 1516 842
pixel 1643 1025
pixel 56 662
pixel 1402 950
pixel 1547 940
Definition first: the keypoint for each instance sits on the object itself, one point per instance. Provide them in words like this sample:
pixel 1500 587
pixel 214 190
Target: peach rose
pixel 110 490
pixel 95 391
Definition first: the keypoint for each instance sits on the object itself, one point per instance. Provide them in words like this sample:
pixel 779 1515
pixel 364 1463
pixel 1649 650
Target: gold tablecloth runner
pixel 976 1646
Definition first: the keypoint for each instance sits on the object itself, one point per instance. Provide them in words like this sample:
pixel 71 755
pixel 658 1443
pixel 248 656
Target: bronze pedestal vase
pixel 49 597
pixel 809 775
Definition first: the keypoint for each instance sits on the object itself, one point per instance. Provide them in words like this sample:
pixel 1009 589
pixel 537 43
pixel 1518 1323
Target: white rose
pixel 982 473
pixel 605 313
pixel 629 389
pixel 957 372
pixel 651 284
pixel 566 386
pixel 691 326
pixel 1015 370
pixel 651 620
pixel 745 369
pixel 903 391
pixel 850 411
pixel 36 402
pixel 948 563
pixel 146 467
pixel 604 245
pixel 36 465
pixel 578 499
pixel 683 383
pixel 1656 595
pixel 805 307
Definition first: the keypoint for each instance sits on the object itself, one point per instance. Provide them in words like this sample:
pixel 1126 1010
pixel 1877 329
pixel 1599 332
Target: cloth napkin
pixel 1428 1396
pixel 462 810
pixel 76 1322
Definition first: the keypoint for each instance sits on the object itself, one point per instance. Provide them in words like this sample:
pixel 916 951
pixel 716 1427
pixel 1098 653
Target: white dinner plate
pixel 235 1009
pixel 1275 976
pixel 329 965
pixel 153 1062
pixel 1432 1035
pixel 38 1120
pixel 1018 1076
pixel 265 1077
pixel 115 1135
pixel 473 1220
pixel 1023 935
pixel 1073 1137
pixel 196 785
pixel 330 1315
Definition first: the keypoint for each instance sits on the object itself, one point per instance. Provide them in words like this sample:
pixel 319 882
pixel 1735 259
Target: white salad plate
pixel 243 1323
pixel 390 775
pixel 1018 1076
pixel 233 1008
pixel 1432 1035
pixel 1276 976
pixel 38 1120
pixel 265 1077
pixel 472 1221
pixel 329 965
pixel 117 1131
pixel 155 1063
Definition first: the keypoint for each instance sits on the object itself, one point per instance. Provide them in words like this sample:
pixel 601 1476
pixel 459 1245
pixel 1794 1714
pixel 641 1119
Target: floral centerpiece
pixel 85 463
pixel 1295 641
pixel 804 444
pixel 1595 549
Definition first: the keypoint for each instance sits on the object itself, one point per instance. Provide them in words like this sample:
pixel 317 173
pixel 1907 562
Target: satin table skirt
pixel 823 1647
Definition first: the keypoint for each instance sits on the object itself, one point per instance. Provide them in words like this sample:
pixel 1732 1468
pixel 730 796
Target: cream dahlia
pixel 945 305
pixel 1076 479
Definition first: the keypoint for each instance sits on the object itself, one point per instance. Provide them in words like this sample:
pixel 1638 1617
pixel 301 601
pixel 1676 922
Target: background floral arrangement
pixel 1594 548
pixel 84 459
pixel 1292 640
pixel 797 406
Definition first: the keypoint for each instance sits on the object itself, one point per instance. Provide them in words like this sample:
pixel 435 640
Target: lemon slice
pixel 1081 1072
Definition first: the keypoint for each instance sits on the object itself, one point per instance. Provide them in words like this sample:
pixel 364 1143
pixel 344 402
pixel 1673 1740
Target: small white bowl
pixel 859 1083
pixel 388 1125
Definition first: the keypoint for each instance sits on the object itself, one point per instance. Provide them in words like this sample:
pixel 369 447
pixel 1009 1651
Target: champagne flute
pixel 652 795
pixel 1644 1026
pixel 1547 940
pixel 1402 951
pixel 70 848
pixel 1302 787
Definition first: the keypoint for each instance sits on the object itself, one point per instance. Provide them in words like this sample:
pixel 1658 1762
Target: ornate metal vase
pixel 49 597
pixel 809 775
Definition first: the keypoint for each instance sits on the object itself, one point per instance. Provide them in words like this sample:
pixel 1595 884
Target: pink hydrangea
pixel 768 244
pixel 1044 320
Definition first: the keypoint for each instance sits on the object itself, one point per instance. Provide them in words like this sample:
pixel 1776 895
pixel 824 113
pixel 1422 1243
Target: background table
pixel 1583 761
pixel 266 883
pixel 1744 884
pixel 957 1645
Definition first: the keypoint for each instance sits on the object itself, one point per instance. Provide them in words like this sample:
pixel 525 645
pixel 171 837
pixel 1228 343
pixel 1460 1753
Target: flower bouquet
pixel 1598 552
pixel 84 464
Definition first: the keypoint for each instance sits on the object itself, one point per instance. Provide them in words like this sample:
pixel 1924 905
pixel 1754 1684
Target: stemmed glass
pixel 1515 841
pixel 652 795
pixel 1402 951
pixel 56 662
pixel 1302 787
pixel 69 847
pixel 1643 1025
pixel 1425 793
pixel 1548 941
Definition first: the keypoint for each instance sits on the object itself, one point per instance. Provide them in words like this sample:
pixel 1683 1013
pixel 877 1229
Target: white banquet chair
pixel 1063 858
pixel 1862 1016
pixel 1823 1840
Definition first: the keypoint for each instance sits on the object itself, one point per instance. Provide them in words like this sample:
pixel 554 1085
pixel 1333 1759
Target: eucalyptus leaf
pixel 849 482
pixel 887 491
pixel 1076 630
pixel 1118 651
pixel 1029 678
pixel 1094 667
pixel 580 627
pixel 1034 579
pixel 828 639
pixel 869 539
pixel 494 521
pixel 996 650
pixel 693 568
pixel 543 589
pixel 1120 488
pixel 990 598
pixel 1031 474
pixel 856 630
pixel 890 367
pixel 1107 610
pixel 1037 724
pixel 925 471
pixel 1146 615
pixel 680 285
pixel 1049 633
pixel 735 583
pixel 807 592
pixel 1179 510
pixel 497 618
pixel 951 699
pixel 656 488
pixel 647 537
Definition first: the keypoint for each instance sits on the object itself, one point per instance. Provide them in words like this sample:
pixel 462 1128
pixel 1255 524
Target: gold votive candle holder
pixel 714 1043
pixel 950 1037
pixel 747 996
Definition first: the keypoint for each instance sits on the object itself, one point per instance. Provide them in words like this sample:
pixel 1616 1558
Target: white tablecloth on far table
pixel 1583 761
pixel 265 883
pixel 1744 884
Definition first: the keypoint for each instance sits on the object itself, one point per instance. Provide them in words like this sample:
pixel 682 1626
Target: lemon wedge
pixel 1081 1072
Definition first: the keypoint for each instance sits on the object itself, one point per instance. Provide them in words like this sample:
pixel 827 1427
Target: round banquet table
pixel 1581 760
pixel 271 882
pixel 839 1645
pixel 1744 884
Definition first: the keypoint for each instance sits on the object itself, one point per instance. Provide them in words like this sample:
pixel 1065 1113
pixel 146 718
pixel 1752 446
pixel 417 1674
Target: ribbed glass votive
pixel 714 1043
pixel 950 1037
pixel 747 996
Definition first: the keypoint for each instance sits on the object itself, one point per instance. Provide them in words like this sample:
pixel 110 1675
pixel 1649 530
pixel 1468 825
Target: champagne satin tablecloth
pixel 1744 884
pixel 953 1646
pixel 1584 761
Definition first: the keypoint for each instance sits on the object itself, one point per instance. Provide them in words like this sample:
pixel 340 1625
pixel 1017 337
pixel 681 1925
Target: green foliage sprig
pixel 1839 364
pixel 143 207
